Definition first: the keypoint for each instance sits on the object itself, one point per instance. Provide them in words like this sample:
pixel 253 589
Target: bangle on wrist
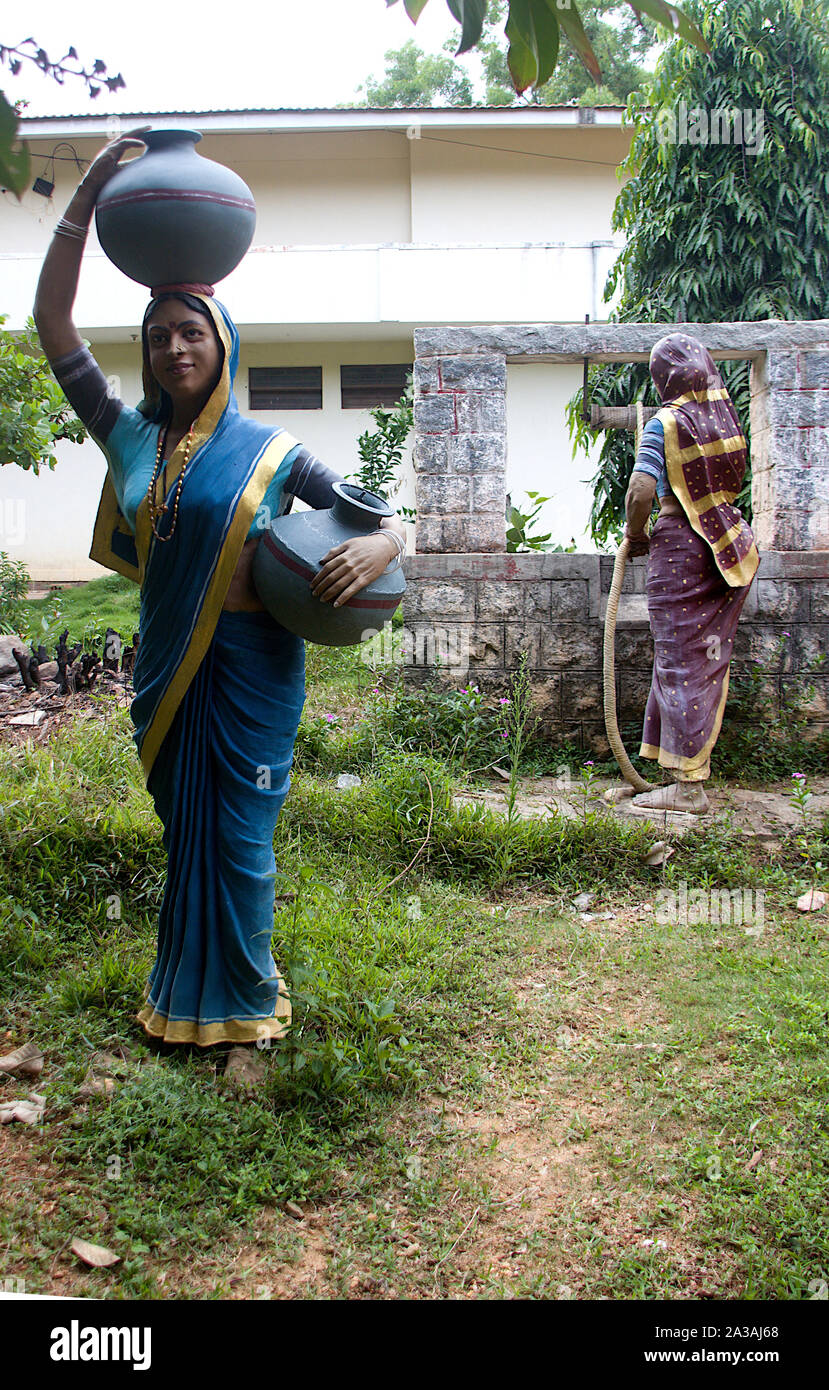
pixel 399 543
pixel 64 227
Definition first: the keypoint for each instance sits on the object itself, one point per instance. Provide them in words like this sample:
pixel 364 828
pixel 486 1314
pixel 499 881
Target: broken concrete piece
pixel 812 901
pixel 658 853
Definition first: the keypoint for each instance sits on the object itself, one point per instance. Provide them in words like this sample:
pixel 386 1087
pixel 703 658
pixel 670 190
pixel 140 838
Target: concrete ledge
pixel 507 567
pixel 619 342
pixel 794 564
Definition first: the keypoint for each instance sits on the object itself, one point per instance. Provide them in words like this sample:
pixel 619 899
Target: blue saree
pixel 218 784
pixel 218 697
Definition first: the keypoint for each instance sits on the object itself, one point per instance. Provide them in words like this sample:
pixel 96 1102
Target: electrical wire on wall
pixel 44 183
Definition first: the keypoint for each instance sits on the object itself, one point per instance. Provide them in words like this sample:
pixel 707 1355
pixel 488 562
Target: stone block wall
pixel 790 448
pixel 470 617
pixel 472 610
pixel 460 452
pixel 461 433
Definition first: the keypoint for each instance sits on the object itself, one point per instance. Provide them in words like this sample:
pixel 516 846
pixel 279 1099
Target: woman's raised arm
pixel 58 281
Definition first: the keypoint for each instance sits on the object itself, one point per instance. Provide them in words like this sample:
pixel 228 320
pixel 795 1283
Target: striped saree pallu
pixel 705 452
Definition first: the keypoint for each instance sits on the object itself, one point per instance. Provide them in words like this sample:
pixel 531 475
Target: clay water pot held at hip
pixel 170 215
pixel 288 558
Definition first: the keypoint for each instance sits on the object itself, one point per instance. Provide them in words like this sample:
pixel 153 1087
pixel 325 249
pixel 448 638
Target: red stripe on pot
pixel 181 195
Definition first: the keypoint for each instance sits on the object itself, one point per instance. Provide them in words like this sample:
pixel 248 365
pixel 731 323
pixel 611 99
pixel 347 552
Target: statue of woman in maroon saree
pixel 701 561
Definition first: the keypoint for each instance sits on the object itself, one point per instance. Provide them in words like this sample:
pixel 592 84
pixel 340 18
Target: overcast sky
pixel 206 55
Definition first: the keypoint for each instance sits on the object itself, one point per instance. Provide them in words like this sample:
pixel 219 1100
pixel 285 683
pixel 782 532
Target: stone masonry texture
pixel 460 417
pixel 491 608
pixel 482 610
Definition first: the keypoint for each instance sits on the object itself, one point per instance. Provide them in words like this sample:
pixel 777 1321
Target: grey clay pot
pixel 288 558
pixel 170 215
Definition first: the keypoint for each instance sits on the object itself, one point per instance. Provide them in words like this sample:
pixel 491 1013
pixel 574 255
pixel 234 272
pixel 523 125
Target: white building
pixel 370 223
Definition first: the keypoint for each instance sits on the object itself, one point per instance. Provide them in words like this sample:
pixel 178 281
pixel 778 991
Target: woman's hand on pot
pixel 105 164
pixel 349 567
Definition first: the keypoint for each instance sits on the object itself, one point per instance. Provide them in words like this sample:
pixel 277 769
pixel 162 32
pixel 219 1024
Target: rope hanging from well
pixel 614 738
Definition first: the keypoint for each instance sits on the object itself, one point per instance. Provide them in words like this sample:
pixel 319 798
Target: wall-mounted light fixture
pixel 44 184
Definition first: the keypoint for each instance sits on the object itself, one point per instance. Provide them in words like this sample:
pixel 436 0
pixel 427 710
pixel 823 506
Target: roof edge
pixel 332 118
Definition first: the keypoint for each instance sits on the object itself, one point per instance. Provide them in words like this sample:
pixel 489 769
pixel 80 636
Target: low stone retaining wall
pixel 469 618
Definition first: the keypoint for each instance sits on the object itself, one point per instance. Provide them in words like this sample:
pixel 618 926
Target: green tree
pixel 719 231
pixel 34 413
pixel 415 78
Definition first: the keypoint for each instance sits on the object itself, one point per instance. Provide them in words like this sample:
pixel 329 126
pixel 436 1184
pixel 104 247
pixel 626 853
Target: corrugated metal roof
pixel 508 111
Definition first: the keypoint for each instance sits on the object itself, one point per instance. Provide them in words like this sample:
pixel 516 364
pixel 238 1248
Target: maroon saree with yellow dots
pixel 700 565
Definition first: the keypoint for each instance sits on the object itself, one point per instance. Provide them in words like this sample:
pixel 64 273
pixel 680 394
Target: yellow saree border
pixel 715 394
pixel 698 767
pixel 744 571
pixel 237 1030
pixel 205 624
pixel 108 520
pixel 711 448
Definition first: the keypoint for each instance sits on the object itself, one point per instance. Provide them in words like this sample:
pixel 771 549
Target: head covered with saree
pixel 705 451
pixel 157 404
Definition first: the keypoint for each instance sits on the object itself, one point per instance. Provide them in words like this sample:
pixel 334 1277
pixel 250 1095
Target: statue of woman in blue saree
pixel 219 684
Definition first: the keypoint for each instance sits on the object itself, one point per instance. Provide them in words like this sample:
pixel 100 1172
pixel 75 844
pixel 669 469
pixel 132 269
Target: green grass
pixel 401 994
pixel 86 610
pixel 758 742
pixel 644 1064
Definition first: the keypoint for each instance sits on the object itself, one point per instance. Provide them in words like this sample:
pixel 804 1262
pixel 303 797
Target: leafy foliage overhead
pixel 619 39
pixel 736 229
pixel 534 27
pixel 15 164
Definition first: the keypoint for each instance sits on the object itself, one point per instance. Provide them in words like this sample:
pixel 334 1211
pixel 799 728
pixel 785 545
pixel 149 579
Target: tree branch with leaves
pixel 15 162
pixel 34 413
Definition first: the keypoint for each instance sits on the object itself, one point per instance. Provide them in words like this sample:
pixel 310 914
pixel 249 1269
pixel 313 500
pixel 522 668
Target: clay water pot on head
pixel 170 216
pixel 288 558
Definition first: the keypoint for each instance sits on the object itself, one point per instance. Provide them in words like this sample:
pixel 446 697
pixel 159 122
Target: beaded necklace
pixel 157 509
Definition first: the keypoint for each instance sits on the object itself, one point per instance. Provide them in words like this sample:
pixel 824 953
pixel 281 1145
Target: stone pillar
pixel 460 452
pixel 790 449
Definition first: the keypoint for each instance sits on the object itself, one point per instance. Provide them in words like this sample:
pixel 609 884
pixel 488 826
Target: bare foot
pixel 677 796
pixel 245 1070
pixel 613 795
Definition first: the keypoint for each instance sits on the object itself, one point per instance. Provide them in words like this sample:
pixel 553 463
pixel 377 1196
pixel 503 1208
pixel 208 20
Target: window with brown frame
pixel 377 383
pixel 285 388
